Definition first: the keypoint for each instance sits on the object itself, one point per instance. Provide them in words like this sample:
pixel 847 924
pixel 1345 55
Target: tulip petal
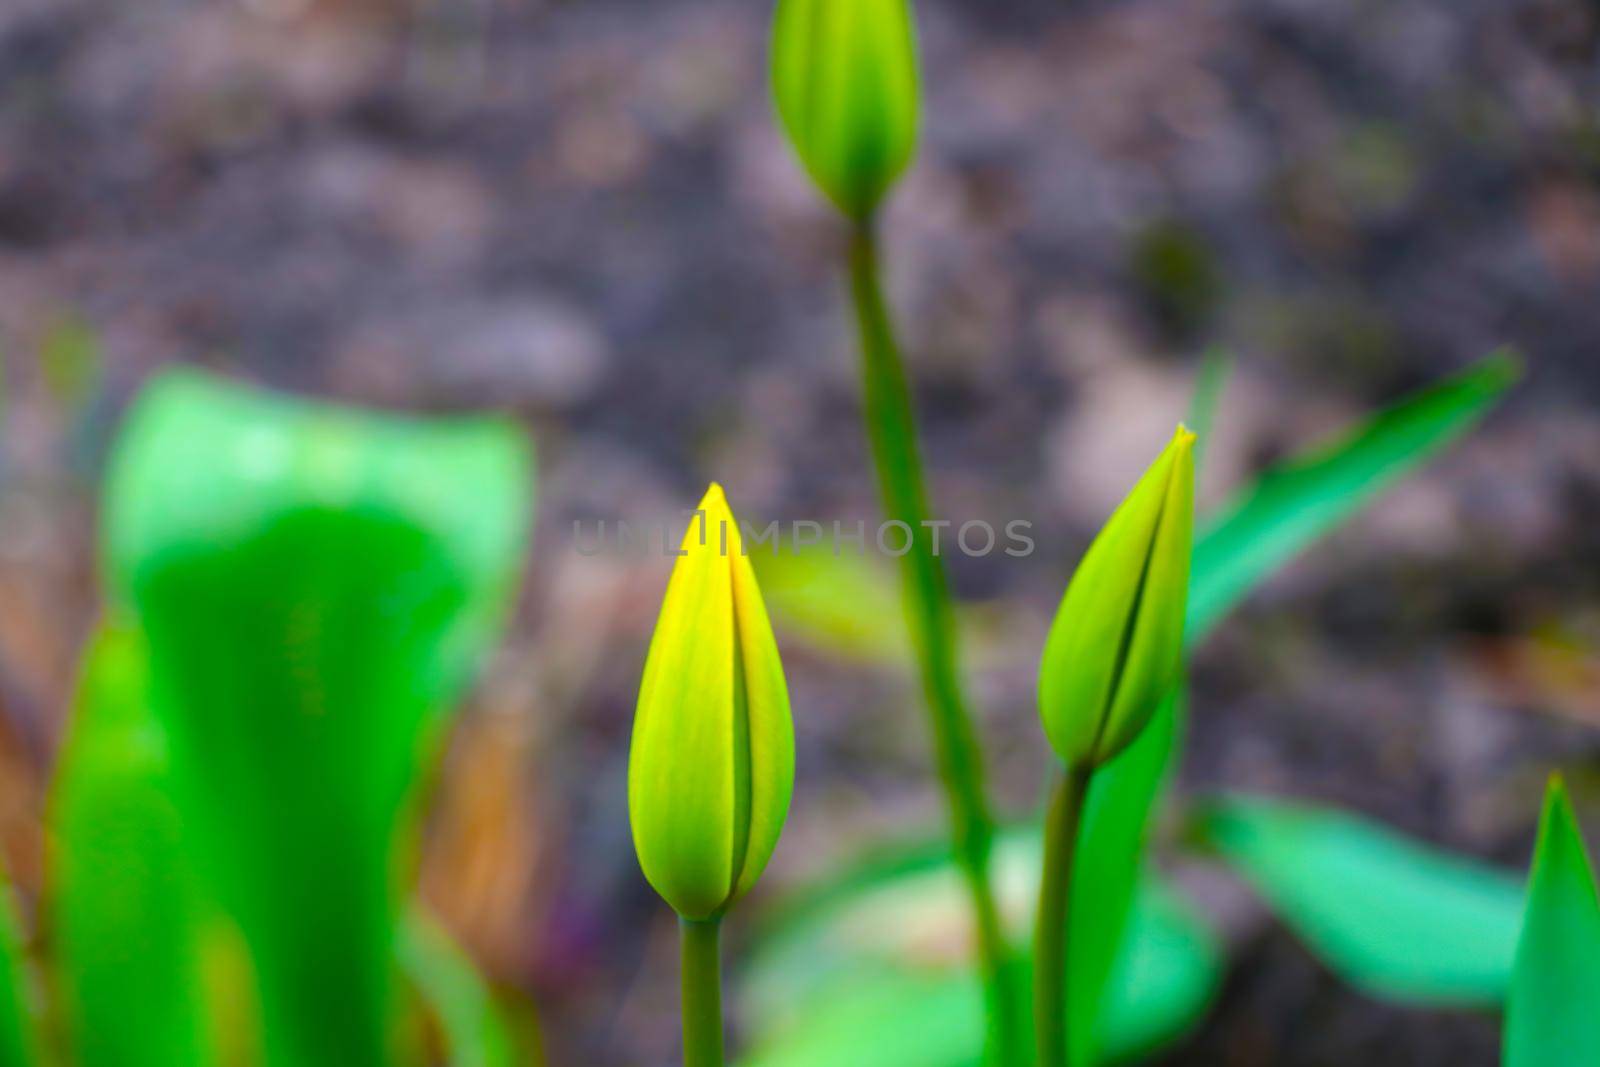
pixel 770 733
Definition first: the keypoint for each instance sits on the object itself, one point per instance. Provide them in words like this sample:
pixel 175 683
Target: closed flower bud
pixel 712 763
pixel 1117 641
pixel 844 74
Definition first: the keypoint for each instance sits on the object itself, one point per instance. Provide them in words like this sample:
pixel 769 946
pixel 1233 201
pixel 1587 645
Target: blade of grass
pixel 1209 382
pixel 1293 504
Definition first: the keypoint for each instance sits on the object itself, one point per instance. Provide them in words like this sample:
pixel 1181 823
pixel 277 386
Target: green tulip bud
pixel 1117 641
pixel 844 74
pixel 712 763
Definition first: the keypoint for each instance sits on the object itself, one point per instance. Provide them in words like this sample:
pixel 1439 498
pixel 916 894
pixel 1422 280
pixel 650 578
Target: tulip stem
pixel 1050 942
pixel 701 988
pixel 925 591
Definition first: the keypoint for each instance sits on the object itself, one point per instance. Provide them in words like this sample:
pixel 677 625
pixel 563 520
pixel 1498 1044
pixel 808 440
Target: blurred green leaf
pixel 845 604
pixel 127 915
pixel 879 977
pixel 474 1031
pixel 19 1038
pixel 1551 1014
pixel 1392 916
pixel 1216 365
pixel 1122 797
pixel 315 585
pixel 124 902
pixel 1293 504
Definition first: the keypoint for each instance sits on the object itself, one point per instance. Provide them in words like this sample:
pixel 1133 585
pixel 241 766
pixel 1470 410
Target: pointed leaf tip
pixel 1555 984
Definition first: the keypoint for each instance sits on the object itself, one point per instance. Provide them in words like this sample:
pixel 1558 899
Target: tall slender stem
pixel 1061 832
pixel 891 428
pixel 701 985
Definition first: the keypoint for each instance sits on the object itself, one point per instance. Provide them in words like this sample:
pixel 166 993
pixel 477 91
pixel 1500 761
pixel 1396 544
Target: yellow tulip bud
pixel 1117 641
pixel 712 763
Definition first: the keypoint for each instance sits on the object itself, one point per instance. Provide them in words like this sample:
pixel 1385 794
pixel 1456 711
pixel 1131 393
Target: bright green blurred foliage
pixel 1389 915
pixel 1553 1011
pixel 314 587
pixel 871 972
pixel 126 908
pixel 19 1042
pixel 844 76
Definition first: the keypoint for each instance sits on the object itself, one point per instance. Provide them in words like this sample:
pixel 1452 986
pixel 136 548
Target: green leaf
pixel 1293 504
pixel 1551 1016
pixel 877 975
pixel 1215 367
pixel 844 77
pixel 1392 916
pixel 839 604
pixel 316 585
pixel 474 1031
pixel 1116 819
pixel 19 1040
pixel 124 902
pixel 127 915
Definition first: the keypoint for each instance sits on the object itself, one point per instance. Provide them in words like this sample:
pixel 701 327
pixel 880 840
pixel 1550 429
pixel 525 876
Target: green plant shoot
pixel 844 77
pixel 1112 656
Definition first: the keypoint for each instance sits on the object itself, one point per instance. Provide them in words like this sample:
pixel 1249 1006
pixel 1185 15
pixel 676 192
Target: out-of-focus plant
pixel 1396 918
pixel 19 1041
pixel 1112 656
pixel 712 763
pixel 1138 975
pixel 1551 1016
pixel 844 78
pixel 297 594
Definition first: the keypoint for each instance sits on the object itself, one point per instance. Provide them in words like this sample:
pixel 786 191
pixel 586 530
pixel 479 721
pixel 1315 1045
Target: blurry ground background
pixel 581 211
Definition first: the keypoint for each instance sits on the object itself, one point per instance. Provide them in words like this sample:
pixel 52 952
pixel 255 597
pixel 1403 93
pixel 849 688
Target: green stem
pixel 701 985
pixel 1061 832
pixel 891 428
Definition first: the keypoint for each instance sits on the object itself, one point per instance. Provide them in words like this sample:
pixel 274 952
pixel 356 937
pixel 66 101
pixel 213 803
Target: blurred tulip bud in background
pixel 1117 640
pixel 712 763
pixel 844 74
